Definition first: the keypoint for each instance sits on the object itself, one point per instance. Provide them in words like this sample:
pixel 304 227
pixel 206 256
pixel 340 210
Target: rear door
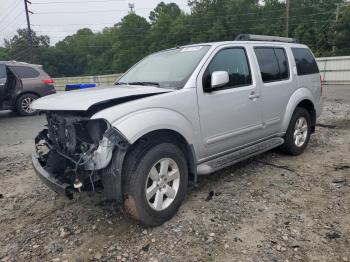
pixel 3 79
pixel 27 77
pixel 277 84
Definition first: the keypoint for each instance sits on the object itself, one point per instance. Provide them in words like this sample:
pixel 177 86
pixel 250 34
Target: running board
pixel 237 156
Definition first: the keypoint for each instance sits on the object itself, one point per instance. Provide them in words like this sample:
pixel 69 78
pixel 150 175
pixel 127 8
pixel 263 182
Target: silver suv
pixel 177 114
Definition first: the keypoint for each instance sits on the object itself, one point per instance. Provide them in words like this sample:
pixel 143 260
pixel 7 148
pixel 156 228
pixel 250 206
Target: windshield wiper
pixel 120 83
pixel 144 83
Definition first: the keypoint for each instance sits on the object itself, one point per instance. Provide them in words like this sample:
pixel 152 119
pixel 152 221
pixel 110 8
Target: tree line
pixel 116 48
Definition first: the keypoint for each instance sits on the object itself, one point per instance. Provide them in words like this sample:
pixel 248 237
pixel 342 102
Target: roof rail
pixel 250 37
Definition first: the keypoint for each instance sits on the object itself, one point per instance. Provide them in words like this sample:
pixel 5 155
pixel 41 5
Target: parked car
pixel 177 114
pixel 21 84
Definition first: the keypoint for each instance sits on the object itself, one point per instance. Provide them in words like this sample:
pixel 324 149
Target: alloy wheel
pixel 25 105
pixel 300 131
pixel 162 184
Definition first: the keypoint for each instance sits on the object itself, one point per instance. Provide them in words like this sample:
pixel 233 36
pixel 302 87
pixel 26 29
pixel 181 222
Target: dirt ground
pixel 270 208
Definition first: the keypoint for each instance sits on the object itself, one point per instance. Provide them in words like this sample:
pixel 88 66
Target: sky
pixel 59 18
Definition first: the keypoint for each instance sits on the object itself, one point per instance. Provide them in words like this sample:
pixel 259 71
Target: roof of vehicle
pixel 13 62
pixel 235 42
pixel 252 39
pixel 215 44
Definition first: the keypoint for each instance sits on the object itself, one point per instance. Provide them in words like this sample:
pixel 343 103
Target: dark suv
pixel 21 84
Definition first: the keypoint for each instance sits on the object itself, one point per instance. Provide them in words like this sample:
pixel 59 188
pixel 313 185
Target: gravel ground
pixel 270 208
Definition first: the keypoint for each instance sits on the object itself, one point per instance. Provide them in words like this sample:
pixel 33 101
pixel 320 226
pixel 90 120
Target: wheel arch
pixel 309 106
pixel 26 93
pixel 300 98
pixel 169 135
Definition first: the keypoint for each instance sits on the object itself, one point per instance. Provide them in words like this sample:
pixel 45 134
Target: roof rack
pixel 250 37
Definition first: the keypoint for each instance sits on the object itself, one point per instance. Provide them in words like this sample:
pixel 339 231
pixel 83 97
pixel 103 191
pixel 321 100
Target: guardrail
pixel 334 70
pixel 101 80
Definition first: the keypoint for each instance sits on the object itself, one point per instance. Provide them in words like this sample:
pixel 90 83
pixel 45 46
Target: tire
pixel 291 145
pixel 23 102
pixel 138 178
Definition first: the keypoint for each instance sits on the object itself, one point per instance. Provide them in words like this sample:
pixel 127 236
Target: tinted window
pixel 305 61
pixel 273 63
pixel 25 72
pixel 235 62
pixel 282 62
pixel 2 71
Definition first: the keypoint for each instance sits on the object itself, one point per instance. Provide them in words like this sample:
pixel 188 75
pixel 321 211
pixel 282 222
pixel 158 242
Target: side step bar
pixel 237 156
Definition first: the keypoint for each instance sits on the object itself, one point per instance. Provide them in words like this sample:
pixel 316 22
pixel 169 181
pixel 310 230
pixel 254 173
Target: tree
pixel 4 54
pixel 342 35
pixel 19 47
pixel 118 47
pixel 132 42
pixel 172 10
pixel 163 19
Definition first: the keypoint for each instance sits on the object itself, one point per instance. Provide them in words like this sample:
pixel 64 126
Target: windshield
pixel 167 69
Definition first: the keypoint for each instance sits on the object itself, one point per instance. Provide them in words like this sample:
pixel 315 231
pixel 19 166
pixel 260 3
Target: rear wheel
pixel 23 104
pixel 155 183
pixel 298 133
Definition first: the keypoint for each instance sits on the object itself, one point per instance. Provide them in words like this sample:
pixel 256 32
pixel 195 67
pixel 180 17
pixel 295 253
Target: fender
pixel 298 96
pixel 136 124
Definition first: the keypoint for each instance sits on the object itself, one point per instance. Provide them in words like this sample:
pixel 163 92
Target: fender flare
pixel 298 96
pixel 135 125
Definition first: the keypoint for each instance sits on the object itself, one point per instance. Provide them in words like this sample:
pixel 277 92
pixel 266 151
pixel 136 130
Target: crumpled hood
pixel 82 100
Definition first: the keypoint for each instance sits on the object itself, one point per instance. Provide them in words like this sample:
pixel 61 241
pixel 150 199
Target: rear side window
pixel 25 71
pixel 273 63
pixel 305 61
pixel 2 71
pixel 235 62
pixel 282 62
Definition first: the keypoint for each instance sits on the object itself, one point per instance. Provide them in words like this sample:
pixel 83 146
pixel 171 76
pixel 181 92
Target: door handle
pixel 253 96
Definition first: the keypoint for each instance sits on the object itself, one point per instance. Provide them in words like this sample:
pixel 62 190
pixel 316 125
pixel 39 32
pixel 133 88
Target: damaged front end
pixel 76 153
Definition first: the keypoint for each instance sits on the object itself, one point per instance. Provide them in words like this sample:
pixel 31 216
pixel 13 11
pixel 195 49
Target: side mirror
pixel 219 78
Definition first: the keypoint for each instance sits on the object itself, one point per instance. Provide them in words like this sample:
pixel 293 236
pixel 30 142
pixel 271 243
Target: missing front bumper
pixel 49 179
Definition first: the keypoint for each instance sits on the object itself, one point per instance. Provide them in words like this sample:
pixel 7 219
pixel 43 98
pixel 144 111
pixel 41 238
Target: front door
pixel 3 78
pixel 230 115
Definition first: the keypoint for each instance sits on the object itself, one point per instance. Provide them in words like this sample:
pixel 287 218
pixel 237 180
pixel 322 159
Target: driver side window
pixel 235 62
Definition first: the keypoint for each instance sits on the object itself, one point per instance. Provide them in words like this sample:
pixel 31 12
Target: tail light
pixel 47 81
pixel 321 85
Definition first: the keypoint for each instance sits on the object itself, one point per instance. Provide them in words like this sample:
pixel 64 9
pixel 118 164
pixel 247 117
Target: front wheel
pixel 298 133
pixel 155 183
pixel 23 104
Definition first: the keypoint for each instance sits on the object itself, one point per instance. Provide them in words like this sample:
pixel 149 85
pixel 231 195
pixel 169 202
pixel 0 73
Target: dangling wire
pixel 91 180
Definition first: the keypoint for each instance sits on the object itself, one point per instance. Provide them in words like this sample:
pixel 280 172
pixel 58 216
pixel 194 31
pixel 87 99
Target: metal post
pixel 336 21
pixel 337 14
pixel 131 6
pixel 287 17
pixel 30 39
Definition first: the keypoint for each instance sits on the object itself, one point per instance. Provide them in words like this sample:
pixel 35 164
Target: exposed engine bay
pixel 78 151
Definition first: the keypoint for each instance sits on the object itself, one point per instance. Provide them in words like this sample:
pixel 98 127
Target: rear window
pixel 25 71
pixel 305 61
pixel 273 63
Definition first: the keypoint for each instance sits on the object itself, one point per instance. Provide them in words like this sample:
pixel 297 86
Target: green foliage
pixel 342 36
pixel 18 47
pixel 4 54
pixel 131 43
pixel 117 48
